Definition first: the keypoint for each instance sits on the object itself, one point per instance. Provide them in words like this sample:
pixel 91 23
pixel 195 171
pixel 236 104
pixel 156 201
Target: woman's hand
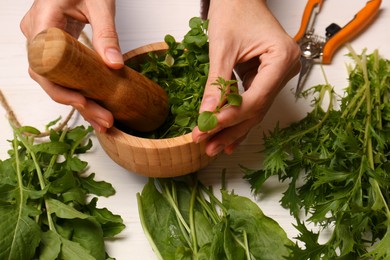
pixel 72 16
pixel 245 36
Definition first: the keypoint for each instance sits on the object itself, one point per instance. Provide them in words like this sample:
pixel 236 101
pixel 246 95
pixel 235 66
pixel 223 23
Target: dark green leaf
pixel 100 188
pixel 234 99
pixel 50 245
pixel 65 211
pixel 207 121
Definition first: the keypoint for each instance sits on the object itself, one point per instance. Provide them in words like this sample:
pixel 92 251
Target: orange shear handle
pixel 306 17
pixel 354 27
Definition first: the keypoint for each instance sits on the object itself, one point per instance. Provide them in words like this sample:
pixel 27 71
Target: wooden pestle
pixel 135 101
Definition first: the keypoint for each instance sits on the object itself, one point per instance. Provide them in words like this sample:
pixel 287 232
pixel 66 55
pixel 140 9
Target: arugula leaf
pixel 43 207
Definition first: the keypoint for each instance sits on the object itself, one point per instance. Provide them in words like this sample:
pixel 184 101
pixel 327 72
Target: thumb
pixel 105 38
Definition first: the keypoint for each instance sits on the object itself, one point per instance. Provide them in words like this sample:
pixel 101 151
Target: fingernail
pixel 217 150
pixel 96 126
pixel 102 122
pixel 114 56
pixel 78 106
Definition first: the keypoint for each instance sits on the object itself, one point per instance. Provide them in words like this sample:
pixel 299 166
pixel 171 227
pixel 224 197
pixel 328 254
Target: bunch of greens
pixel 44 211
pixel 182 71
pixel 337 163
pixel 181 220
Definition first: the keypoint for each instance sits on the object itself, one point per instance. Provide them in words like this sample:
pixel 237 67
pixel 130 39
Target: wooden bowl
pixel 158 158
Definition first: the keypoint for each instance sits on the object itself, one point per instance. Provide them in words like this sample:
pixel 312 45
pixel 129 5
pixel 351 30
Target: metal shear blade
pixel 306 65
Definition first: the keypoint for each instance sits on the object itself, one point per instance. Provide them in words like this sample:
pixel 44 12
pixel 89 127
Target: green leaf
pixel 29 129
pixel 182 119
pixel 89 234
pixel 169 60
pixel 74 251
pixel 159 222
pixel 234 99
pixel 267 240
pixel 74 195
pixel 52 148
pixel 111 224
pixel 75 164
pixel 381 250
pixel 99 188
pixel 20 235
pixel 63 183
pixel 63 210
pixel 170 40
pixel 50 246
pixel 207 121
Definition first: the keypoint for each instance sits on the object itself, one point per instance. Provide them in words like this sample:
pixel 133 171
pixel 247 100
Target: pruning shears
pixel 317 49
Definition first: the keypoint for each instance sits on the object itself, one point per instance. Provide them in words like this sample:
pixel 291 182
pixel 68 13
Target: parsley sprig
pixel 337 164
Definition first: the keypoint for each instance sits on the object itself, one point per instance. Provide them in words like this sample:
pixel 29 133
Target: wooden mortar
pixel 158 158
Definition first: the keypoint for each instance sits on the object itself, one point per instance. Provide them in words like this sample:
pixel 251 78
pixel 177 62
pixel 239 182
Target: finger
pixel 228 138
pixel 275 69
pixel 230 148
pixel 220 66
pixel 98 116
pixel 46 14
pixel 58 93
pixel 101 14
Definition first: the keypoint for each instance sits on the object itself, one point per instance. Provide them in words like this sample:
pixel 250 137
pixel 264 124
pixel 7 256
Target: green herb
pixel 44 211
pixel 182 71
pixel 207 120
pixel 184 220
pixel 337 163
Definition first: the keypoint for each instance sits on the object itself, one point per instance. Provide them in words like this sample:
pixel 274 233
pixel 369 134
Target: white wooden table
pixel 141 22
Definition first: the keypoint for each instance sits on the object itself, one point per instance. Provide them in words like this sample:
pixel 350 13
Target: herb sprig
pixel 343 158
pixel 44 211
pixel 230 95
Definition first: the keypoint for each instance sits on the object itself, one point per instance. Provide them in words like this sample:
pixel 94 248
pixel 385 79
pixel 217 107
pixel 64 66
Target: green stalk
pixel 40 177
pixel 213 198
pixel 319 124
pixel 19 174
pixel 54 157
pixel 172 202
pixel 210 212
pixel 248 253
pixel 192 220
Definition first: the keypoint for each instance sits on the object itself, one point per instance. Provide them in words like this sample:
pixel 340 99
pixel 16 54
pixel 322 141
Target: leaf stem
pixel 171 201
pixel 39 175
pixel 192 219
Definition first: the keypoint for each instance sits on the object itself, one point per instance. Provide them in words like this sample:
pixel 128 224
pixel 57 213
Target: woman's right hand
pixel 71 16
